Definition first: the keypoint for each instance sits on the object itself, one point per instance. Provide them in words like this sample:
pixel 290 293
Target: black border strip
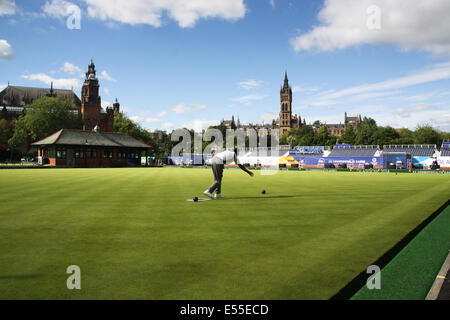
pixel 360 280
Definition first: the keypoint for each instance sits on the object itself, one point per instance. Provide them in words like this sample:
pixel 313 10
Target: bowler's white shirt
pixel 225 157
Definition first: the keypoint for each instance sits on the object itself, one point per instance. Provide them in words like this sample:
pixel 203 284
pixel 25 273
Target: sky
pixel 179 63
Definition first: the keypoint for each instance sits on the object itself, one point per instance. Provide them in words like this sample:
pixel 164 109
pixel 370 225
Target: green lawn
pixel 410 275
pixel 135 236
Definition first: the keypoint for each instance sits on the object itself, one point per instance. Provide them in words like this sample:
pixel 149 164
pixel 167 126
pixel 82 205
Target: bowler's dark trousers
pixel 218 174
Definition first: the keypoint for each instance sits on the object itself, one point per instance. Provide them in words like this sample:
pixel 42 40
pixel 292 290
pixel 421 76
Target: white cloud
pixel 406 112
pixel 162 114
pixel 57 8
pixel 57 83
pixel 70 68
pixel 250 84
pixel 7 7
pixel 304 89
pixel 444 119
pixel 138 119
pixel 433 73
pixel 423 114
pixel 106 104
pixel 419 24
pixel 167 126
pixel 6 51
pixel 272 3
pixel 199 106
pixel 268 116
pixel 183 108
pixel 153 120
pixel 249 98
pixel 106 91
pixel 105 76
pixel 150 12
pixel 199 125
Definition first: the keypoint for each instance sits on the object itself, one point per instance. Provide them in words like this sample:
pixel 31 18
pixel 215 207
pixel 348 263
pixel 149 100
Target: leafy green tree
pixel 19 140
pixel 47 115
pixel 5 132
pixel 291 137
pixel 322 137
pixel 307 136
pixel 385 135
pixel 445 136
pixel 366 131
pixel 123 124
pixel 405 136
pixel 349 135
pixel 427 135
pixel 42 118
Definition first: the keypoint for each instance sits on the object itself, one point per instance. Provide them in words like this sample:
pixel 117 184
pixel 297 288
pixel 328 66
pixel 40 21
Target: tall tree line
pixel 367 133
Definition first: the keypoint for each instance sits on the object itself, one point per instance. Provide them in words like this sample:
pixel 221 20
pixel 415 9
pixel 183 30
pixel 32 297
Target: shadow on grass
pixel 20 277
pixel 261 197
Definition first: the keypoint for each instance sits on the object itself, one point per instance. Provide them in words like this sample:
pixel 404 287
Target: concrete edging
pixel 439 281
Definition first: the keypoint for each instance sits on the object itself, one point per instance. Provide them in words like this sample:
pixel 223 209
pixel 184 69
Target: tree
pixel 291 137
pixel 406 136
pixel 125 125
pixel 307 136
pixel 19 139
pixel 366 131
pixel 385 135
pixel 349 135
pixel 42 118
pixel 445 136
pixel 427 135
pixel 5 132
pixel 322 137
pixel 47 115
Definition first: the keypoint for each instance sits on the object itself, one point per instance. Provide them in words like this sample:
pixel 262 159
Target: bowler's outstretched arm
pixel 245 169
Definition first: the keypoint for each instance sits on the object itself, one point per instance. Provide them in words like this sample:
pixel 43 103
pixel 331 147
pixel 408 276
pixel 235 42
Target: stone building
pixel 287 120
pixel 14 102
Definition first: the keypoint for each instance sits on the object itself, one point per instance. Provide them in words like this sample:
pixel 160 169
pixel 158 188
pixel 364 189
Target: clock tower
pixel 286 106
pixel 90 99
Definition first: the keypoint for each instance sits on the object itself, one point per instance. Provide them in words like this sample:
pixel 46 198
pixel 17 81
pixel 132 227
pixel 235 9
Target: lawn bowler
pixel 218 163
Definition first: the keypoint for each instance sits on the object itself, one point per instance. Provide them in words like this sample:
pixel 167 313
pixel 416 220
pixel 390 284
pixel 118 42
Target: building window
pixel 61 153
pixel 108 154
pixel 91 154
pixel 79 154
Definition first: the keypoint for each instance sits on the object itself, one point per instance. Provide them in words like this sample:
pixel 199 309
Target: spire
pixel 286 81
pixel 116 106
pixel 91 71
pixel 52 92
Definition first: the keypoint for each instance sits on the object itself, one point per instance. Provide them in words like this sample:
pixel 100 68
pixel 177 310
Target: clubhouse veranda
pixel 79 148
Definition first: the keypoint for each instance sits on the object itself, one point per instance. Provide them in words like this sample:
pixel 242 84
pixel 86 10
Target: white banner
pixel 444 162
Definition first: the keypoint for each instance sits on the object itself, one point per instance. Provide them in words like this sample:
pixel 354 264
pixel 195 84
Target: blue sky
pixel 192 63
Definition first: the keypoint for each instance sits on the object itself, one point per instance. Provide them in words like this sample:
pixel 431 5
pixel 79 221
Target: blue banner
pixel 422 162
